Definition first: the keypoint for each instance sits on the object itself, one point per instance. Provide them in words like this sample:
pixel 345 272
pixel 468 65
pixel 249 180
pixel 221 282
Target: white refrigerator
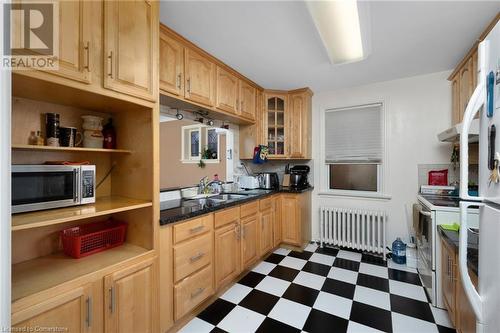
pixel 485 101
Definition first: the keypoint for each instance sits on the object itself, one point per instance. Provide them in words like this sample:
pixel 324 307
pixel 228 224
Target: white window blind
pixel 354 135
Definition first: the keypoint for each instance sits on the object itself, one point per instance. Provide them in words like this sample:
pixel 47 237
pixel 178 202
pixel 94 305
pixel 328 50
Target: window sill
pixel 198 161
pixel 356 195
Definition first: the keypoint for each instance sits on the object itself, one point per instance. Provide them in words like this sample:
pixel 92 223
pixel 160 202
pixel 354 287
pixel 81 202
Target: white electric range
pixel 431 211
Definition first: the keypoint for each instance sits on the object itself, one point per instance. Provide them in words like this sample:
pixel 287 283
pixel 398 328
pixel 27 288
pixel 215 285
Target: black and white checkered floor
pixel 323 290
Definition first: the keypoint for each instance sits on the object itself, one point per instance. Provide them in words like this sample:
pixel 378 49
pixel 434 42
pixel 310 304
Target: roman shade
pixel 354 135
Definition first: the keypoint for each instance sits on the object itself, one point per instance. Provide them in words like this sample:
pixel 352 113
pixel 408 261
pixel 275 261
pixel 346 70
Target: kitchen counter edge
pixel 166 220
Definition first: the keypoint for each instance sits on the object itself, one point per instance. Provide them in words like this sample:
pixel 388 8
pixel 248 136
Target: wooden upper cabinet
pixel 71 310
pixel 300 125
pixel 171 65
pixel 456 114
pixel 130 40
pixel 466 85
pixel 227 91
pixel 247 100
pixel 130 299
pixel 75 40
pixel 275 120
pixel 75 48
pixel 199 78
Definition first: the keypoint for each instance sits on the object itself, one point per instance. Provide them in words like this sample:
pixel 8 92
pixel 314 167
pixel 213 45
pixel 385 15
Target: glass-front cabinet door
pixel 276 125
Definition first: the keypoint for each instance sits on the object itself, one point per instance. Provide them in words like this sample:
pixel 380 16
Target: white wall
pixel 416 109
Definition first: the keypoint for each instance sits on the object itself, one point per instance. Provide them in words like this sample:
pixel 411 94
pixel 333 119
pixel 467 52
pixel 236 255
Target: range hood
pixel 453 134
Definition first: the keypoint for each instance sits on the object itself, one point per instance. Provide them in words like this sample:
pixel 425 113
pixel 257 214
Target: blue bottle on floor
pixel 399 251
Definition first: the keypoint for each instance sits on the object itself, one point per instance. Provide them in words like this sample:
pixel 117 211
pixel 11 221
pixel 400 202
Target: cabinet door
pixel 266 231
pixel 249 240
pixel 448 282
pixel 247 100
pixel 466 88
pixel 276 129
pixel 171 65
pixel 466 320
pixel 130 39
pixel 72 310
pixel 456 114
pixel 74 46
pixel 227 253
pixel 199 78
pixel 291 220
pixel 130 299
pixel 297 127
pixel 227 91
pixel 277 233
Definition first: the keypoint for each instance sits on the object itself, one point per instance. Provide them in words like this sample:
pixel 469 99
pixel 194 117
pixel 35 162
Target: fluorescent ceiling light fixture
pixel 339 26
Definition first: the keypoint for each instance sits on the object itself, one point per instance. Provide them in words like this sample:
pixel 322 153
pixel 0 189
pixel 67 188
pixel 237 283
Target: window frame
pixel 186 131
pixel 382 167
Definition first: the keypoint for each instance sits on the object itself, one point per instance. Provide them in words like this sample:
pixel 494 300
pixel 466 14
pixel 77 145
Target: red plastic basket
pixel 91 238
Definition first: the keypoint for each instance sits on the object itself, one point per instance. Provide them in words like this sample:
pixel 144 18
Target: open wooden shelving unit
pixel 39 274
pixel 102 206
pixel 40 269
pixel 69 149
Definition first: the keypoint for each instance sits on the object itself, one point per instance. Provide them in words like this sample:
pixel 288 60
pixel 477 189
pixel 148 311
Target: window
pixel 354 148
pixel 200 142
pixel 194 137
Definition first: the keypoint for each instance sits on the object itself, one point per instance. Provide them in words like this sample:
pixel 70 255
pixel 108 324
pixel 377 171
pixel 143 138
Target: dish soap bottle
pixel 109 135
pixel 399 251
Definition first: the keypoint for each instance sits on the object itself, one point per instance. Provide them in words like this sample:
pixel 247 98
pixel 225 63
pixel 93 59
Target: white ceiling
pixel 276 43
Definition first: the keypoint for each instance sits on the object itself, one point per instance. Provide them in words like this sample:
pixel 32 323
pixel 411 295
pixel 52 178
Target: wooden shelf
pixel 42 273
pixel 69 149
pixel 102 206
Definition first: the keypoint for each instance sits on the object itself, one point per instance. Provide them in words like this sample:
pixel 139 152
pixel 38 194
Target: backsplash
pixel 273 166
pixel 453 173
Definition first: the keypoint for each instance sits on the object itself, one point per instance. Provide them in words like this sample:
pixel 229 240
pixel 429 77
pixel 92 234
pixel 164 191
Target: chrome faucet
pixel 203 185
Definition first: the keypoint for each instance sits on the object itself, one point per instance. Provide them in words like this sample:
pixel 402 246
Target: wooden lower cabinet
pixel 72 310
pixel 249 240
pixel 466 320
pixel 277 233
pixel 227 252
pixel 295 218
pixel 192 291
pixel 448 278
pixel 266 231
pixel 130 299
pixel 456 302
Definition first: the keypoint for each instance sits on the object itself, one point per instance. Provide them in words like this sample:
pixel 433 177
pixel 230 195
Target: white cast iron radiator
pixel 353 228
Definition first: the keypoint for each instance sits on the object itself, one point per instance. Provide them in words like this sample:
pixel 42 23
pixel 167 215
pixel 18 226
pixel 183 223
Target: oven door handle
pixel 76 185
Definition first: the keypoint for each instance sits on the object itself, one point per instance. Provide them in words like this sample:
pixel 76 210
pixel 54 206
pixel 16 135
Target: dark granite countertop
pixel 172 211
pixel 452 238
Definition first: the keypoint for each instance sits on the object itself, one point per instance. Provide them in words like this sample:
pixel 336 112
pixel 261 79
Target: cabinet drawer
pixel 192 291
pixel 198 226
pixel 227 216
pixel 266 203
pixel 249 209
pixel 192 255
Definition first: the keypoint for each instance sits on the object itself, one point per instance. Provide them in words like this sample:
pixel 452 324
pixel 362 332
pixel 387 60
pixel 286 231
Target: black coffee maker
pixel 298 177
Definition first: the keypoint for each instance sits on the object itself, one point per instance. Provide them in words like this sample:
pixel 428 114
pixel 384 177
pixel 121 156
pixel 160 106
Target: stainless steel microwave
pixel 38 187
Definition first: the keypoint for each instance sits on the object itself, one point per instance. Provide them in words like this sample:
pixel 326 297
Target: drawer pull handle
pixel 196 229
pixel 197 292
pixel 196 257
